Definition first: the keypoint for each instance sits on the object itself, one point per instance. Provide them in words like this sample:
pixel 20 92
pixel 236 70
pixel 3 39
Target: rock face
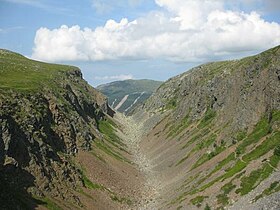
pixel 125 96
pixel 232 88
pixel 214 132
pixel 42 124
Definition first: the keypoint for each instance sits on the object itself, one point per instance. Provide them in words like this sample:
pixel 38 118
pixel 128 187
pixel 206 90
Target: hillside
pixel 206 139
pixel 58 149
pixel 215 135
pixel 124 96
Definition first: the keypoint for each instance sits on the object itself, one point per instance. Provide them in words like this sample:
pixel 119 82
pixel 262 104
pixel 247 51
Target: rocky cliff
pixel 48 116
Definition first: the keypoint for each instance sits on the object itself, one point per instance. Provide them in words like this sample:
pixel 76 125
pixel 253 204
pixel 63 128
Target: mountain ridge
pixel 124 96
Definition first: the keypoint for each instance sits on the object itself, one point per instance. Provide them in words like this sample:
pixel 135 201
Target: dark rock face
pixel 240 91
pixel 37 133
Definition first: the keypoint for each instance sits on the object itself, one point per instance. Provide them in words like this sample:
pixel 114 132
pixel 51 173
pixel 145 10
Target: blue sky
pixel 121 39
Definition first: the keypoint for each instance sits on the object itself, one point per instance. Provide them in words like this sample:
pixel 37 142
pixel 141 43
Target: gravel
pixel 133 133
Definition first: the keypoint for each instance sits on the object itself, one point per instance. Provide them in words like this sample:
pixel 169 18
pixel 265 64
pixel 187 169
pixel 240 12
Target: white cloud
pixel 115 77
pixel 185 30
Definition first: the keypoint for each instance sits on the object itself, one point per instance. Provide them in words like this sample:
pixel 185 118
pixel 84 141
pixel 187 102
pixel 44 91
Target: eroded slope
pixel 216 133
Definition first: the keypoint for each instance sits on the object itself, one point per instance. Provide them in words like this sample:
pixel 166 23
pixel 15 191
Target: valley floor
pixel 132 136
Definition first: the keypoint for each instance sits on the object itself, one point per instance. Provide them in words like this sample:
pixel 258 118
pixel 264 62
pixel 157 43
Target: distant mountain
pixel 125 95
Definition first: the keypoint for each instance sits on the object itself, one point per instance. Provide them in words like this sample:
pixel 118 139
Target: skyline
pixel 137 39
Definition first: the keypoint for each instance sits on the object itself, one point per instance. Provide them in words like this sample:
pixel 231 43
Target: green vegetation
pixel 218 167
pixel 199 146
pixel 22 74
pixel 178 128
pixel 171 104
pixel 48 203
pixel 207 143
pixel 200 135
pixel 277 150
pixel 208 156
pixel 250 182
pixel 197 201
pixel 109 151
pixel 273 188
pixel 241 135
pixel 223 198
pixel 87 183
pixel 269 144
pixel 114 197
pixel 207 119
pixel 262 129
pixel 207 207
pixel 223 163
pixel 107 128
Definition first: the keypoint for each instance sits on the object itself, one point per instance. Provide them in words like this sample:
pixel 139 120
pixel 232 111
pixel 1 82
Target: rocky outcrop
pixel 239 91
pixel 40 130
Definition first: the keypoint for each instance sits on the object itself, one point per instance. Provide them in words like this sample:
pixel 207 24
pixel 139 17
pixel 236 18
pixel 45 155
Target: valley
pixel 206 139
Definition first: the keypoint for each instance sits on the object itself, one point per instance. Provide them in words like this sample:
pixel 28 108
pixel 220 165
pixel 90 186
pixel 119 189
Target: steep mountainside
pixel 216 135
pixel 205 139
pixel 124 96
pixel 57 143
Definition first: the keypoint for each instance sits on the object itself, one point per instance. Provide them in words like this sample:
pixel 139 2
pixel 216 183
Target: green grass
pixel 273 188
pixel 207 207
pixel 197 201
pixel 241 135
pixel 262 129
pixel 199 135
pixel 89 184
pixel 121 199
pixel 218 167
pixel 207 119
pixel 107 128
pixel 206 143
pixel 250 182
pixel 222 163
pixel 262 149
pixel 22 74
pixel 178 128
pixel 109 151
pixel 208 156
pixel 269 144
pixel 48 203
pixel 171 104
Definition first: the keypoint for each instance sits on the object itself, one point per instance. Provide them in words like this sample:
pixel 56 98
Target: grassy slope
pixel 22 74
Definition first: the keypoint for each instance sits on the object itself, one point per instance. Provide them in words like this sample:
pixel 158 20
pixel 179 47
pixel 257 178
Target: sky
pixel 135 39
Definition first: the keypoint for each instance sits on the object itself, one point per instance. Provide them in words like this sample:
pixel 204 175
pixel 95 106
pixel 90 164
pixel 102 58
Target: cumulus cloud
pixel 184 30
pixel 115 77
